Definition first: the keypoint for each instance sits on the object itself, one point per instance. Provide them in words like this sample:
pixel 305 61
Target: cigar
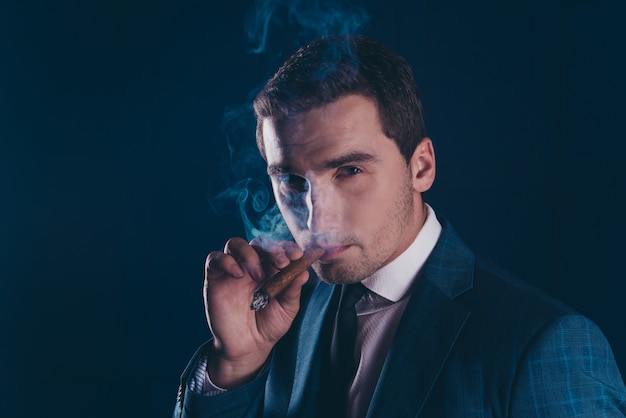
pixel 274 285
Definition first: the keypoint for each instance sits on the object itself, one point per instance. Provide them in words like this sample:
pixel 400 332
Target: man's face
pixel 342 184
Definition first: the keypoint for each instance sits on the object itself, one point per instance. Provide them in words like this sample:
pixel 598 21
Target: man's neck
pixel 393 280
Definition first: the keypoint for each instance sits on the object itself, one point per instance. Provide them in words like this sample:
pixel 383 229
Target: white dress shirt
pixel 380 310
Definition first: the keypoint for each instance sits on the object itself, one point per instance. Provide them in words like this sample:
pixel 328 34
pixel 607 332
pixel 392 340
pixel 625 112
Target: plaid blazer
pixel 473 342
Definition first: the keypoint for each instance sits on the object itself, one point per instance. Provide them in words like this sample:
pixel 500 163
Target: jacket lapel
pixel 288 388
pixel 309 355
pixel 425 336
pixel 427 332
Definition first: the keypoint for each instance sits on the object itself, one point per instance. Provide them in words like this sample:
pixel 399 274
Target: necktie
pixel 342 359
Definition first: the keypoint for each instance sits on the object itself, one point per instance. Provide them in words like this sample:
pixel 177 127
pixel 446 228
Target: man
pixel 436 331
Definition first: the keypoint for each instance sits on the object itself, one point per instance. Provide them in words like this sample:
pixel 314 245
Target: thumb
pixel 289 298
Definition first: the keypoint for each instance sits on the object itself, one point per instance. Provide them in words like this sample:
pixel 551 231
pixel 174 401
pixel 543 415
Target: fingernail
pixel 237 271
pixel 282 260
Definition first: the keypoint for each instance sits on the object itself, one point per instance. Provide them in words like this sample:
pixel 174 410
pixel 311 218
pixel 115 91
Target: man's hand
pixel 243 338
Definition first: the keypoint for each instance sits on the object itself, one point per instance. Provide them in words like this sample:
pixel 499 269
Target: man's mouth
pixel 333 252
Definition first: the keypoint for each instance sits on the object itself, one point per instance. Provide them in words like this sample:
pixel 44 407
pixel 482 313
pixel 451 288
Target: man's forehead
pixel 349 125
pixel 283 132
pixel 297 140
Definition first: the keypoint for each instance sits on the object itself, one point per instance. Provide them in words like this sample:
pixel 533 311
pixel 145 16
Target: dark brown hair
pixel 338 65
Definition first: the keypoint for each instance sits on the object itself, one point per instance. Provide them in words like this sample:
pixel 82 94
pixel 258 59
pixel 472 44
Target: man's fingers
pixel 219 264
pixel 289 298
pixel 292 250
pixel 259 258
pixel 246 256
pixel 276 254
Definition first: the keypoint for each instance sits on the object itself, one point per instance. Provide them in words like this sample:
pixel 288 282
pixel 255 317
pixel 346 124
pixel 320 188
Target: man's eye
pixel 351 170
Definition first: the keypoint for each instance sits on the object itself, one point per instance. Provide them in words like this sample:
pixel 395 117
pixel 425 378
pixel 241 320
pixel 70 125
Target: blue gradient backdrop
pixel 115 124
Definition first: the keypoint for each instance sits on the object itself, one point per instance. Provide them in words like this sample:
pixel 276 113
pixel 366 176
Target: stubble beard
pixel 380 247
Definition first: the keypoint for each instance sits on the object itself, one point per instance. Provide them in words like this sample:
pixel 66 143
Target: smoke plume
pixel 268 23
pixel 303 19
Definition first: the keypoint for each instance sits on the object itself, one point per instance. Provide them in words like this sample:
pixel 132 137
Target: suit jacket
pixel 473 342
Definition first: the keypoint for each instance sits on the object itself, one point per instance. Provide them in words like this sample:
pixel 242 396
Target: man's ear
pixel 423 165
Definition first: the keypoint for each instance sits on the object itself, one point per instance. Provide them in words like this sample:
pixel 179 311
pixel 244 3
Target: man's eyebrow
pixel 349 158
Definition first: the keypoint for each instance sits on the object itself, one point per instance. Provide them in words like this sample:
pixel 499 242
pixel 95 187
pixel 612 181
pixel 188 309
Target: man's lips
pixel 333 252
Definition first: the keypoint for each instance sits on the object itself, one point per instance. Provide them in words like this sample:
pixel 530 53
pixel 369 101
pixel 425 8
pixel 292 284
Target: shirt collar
pixel 394 280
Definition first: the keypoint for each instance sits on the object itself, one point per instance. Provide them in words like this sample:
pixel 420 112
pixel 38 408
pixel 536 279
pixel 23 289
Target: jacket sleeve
pixel 569 371
pixel 245 401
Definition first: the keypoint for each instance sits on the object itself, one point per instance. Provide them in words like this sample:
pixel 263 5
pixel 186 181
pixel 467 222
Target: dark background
pixel 115 119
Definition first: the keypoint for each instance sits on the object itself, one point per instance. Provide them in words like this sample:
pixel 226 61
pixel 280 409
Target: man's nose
pixel 322 209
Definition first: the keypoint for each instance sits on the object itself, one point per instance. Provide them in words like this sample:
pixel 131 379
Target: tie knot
pixel 350 295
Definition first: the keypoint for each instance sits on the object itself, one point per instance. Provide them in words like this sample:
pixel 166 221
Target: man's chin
pixel 335 274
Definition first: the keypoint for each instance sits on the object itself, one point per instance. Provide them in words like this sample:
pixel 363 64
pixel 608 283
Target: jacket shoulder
pixel 495 289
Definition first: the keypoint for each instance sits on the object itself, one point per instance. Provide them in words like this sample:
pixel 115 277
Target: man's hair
pixel 335 66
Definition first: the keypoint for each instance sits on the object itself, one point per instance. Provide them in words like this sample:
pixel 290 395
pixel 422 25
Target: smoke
pixel 306 19
pixel 253 202
pixel 247 195
pixel 271 22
